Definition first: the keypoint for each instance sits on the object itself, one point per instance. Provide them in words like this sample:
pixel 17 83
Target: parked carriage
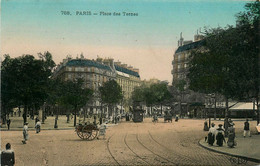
pixel 87 131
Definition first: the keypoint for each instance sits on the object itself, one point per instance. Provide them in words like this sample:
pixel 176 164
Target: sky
pixel 146 41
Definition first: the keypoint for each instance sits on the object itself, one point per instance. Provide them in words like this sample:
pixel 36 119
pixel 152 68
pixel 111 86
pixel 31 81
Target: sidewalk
pixel 247 148
pixel 17 124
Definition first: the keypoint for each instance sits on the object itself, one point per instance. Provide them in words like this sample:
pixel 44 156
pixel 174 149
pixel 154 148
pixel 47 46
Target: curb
pixel 229 154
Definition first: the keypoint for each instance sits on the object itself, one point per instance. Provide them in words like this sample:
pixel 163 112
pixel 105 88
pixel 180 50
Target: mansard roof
pixel 190 46
pixel 127 71
pixel 87 62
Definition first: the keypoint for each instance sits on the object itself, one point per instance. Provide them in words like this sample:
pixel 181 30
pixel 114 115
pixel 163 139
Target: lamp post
pixel 209 104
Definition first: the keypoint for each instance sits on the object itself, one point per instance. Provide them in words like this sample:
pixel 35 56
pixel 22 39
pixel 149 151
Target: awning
pixel 243 106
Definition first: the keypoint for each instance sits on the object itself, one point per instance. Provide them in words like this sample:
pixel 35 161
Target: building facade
pixel 92 72
pixel 180 69
pixel 96 72
pixel 180 61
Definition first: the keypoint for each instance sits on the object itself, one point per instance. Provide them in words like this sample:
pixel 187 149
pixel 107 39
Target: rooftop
pixel 127 71
pixel 190 46
pixel 87 62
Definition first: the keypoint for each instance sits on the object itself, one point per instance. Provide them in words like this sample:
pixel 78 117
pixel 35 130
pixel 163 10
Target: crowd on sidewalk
pixel 218 134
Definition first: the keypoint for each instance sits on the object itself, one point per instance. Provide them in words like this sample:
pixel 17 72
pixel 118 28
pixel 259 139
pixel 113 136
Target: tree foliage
pixel 111 92
pixel 24 80
pixel 73 93
pixel 156 93
pixel 228 61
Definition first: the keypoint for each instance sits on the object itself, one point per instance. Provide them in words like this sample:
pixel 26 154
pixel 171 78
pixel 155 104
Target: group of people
pixel 25 129
pixel 219 134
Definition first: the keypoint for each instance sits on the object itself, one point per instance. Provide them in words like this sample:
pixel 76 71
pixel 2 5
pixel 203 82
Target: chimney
pixel 124 65
pixel 136 70
pixel 118 63
pixel 130 68
pixel 180 42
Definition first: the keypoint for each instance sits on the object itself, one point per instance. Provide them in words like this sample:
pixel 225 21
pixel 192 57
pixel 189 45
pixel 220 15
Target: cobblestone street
pixel 128 143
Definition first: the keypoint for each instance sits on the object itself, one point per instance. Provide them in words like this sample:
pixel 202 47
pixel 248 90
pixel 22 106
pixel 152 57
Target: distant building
pixel 180 69
pixel 92 72
pixel 181 58
pixel 96 72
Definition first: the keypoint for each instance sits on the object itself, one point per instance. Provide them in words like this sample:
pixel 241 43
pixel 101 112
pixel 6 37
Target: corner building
pixel 181 58
pixel 96 72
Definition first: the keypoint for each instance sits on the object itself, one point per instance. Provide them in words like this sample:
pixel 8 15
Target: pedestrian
pixel 95 120
pixel 231 136
pixel 38 126
pixel 8 123
pixel 211 134
pixel 7 156
pixel 220 136
pixel 102 130
pixel 246 129
pixel 206 128
pixel 176 118
pixel 36 120
pixel 24 118
pixel 25 133
pixel 100 120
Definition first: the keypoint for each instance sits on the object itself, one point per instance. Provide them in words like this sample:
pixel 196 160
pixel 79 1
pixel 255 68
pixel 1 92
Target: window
pixel 179 57
pixel 69 76
pixel 79 69
pixel 186 65
pixel 69 68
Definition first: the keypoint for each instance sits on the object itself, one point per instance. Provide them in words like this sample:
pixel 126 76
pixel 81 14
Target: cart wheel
pixel 80 134
pixel 87 134
pixel 93 135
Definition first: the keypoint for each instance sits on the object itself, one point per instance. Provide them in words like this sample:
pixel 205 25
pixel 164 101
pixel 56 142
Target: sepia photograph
pixel 130 82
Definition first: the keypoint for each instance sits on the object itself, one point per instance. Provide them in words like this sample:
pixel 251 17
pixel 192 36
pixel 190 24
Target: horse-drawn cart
pixel 87 132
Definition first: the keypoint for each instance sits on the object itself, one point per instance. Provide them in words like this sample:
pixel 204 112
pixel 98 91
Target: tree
pixel 156 93
pixel 248 22
pixel 73 93
pixel 228 61
pixel 111 93
pixel 24 80
pixel 161 93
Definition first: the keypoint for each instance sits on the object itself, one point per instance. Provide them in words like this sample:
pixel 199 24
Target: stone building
pixel 127 77
pixel 96 72
pixel 181 58
pixel 180 70
pixel 92 72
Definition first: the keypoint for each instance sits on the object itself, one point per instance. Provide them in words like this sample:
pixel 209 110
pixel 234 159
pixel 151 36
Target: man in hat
pixel 25 132
pixel 220 135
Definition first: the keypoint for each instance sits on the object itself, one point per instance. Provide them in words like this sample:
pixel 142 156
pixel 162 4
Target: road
pixel 128 143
